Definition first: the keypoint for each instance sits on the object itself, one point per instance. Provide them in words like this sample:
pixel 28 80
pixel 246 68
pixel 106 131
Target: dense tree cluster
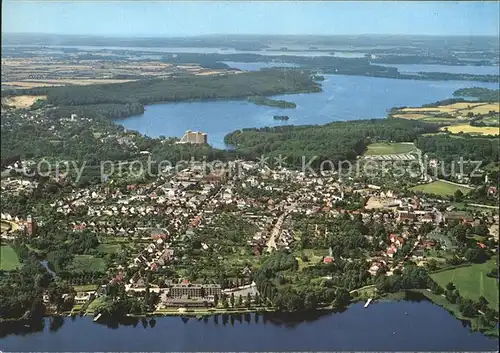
pixel 412 277
pixel 482 94
pixel 125 99
pixel 21 290
pixel 448 148
pixel 336 141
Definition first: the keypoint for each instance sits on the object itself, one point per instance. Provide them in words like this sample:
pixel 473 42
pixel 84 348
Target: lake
pixel 343 98
pixel 452 69
pixel 383 326
pixel 198 50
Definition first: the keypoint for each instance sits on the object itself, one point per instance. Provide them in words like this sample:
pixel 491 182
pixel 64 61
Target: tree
pixel 458 195
pixel 476 255
pixel 216 299
pixel 467 308
pixel 482 303
pixel 248 301
pixel 257 299
pixel 225 304
pixel 232 300
pixel 240 301
pixel 432 264
pixel 450 286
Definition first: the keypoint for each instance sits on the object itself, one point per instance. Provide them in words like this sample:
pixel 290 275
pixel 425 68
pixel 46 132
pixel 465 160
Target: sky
pixel 178 18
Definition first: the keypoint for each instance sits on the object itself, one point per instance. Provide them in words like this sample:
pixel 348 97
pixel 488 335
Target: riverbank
pixel 474 322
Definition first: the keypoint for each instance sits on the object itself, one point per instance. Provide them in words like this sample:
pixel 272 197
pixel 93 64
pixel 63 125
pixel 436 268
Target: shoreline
pixel 473 324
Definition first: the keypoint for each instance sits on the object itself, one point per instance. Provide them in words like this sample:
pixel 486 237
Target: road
pixel 271 243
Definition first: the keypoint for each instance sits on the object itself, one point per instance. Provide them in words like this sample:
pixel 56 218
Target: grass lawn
pixel 472 281
pixel 314 257
pixel 94 304
pixel 389 148
pixel 85 287
pixel 109 248
pixel 87 262
pixel 8 258
pixel 441 188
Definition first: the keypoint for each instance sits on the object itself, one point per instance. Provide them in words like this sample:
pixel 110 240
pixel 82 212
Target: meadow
pixel 382 148
pixel 472 282
pixel 441 188
pixel 8 258
pixel 83 263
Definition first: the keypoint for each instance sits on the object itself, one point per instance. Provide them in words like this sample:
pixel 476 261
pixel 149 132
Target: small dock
pixel 368 302
pixel 97 317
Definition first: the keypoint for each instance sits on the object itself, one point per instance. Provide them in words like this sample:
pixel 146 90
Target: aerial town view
pixel 249 176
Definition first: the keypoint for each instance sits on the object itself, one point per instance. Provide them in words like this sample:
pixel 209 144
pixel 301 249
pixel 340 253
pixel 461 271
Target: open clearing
pixel 85 288
pixel 389 148
pixel 82 263
pixel 23 102
pixel 472 282
pixel 441 188
pixel 8 258
pixel 466 128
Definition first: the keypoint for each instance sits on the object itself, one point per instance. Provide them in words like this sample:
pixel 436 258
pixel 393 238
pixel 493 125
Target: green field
pixel 8 258
pixel 441 188
pixel 85 287
pixel 109 248
pixel 472 282
pixel 83 263
pixel 389 148
pixel 94 304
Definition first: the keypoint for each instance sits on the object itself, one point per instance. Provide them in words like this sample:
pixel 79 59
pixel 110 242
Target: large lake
pixel 452 69
pixel 343 98
pixel 384 326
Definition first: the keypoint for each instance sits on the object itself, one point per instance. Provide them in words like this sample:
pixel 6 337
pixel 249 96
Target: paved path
pixel 271 243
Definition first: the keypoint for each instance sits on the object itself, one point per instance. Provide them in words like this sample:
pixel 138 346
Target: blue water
pixel 383 326
pixel 46 265
pixel 343 98
pixel 470 69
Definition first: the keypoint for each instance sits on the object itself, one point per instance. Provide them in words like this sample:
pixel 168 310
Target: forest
pixel 482 94
pixel 125 99
pixel 335 141
pixel 448 148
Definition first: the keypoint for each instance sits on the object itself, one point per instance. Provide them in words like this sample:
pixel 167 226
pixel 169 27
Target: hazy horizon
pixel 193 19
pixel 246 35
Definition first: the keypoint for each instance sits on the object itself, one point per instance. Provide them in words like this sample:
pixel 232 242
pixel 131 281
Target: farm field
pixel 441 188
pixel 480 130
pixel 451 113
pixel 8 258
pixel 389 148
pixel 472 281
